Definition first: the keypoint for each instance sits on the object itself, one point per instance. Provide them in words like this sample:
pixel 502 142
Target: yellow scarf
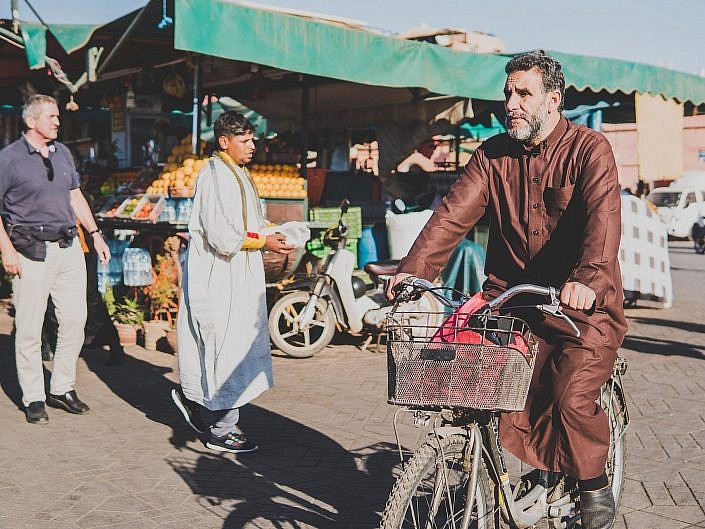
pixel 253 241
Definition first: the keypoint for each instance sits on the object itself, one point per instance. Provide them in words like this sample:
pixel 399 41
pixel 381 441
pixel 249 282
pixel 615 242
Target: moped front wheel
pixel 295 340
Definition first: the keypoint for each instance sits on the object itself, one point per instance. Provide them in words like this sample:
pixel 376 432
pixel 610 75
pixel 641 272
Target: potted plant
pixel 127 315
pixel 163 297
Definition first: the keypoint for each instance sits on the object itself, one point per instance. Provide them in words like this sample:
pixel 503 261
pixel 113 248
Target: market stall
pixel 318 101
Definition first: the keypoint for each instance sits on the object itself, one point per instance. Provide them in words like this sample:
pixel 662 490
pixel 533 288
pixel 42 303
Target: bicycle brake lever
pixel 554 309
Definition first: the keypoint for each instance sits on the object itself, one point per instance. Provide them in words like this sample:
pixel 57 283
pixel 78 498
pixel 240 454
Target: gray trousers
pixel 63 275
pixel 220 422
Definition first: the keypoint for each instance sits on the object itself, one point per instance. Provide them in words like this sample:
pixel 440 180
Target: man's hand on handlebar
pixel 390 292
pixel 577 296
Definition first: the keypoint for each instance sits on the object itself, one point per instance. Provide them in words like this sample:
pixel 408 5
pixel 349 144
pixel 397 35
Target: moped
pixel 304 320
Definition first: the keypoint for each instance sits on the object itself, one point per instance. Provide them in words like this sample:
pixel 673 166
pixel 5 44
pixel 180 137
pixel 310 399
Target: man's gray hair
pixel 33 105
pixel 550 68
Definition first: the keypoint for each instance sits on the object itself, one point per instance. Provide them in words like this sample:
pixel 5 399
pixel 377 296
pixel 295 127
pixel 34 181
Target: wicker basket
pixel 493 373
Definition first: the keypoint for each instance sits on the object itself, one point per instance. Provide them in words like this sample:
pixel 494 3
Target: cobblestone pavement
pixel 327 451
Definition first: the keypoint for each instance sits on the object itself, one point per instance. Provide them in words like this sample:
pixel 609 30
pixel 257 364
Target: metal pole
pixel 305 96
pixel 14 10
pixel 123 37
pixel 36 14
pixel 209 110
pixel 196 128
pixel 457 147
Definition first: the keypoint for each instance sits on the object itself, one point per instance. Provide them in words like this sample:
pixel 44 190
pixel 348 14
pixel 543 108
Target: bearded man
pixel 551 190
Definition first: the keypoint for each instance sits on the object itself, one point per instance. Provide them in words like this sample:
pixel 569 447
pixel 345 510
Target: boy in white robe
pixel 223 342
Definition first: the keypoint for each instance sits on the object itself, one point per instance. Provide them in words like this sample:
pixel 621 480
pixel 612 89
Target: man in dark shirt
pixel 41 201
pixel 551 190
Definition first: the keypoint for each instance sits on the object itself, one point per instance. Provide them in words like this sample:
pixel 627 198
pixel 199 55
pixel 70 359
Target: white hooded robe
pixel 223 341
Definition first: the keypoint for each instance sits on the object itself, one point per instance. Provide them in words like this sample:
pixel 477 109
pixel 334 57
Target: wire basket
pixel 439 361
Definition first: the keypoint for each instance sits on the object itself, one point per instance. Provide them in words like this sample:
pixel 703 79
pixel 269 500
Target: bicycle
pixel 458 477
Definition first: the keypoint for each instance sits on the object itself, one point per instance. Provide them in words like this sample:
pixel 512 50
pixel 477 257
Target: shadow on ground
pixel 644 344
pixel 299 477
pixel 8 371
pixel 660 322
pixel 143 386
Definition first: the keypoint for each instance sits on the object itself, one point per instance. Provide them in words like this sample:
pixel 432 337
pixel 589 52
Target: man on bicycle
pixel 551 191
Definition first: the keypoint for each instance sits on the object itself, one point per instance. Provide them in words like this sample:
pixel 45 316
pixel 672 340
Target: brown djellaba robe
pixel 554 217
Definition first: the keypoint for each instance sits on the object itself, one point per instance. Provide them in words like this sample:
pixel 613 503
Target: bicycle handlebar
pixel 411 285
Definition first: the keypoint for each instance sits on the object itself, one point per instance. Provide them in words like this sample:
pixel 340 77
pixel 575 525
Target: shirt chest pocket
pixel 557 199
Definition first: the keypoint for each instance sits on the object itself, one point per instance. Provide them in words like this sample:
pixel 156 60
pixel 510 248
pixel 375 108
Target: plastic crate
pixel 352 219
pixel 317 248
pixel 150 209
pixel 111 206
pixel 125 211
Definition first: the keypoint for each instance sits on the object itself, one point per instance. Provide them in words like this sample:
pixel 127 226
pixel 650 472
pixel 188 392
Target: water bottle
pixel 103 276
pixel 147 268
pixel 126 268
pixel 172 211
pixel 183 211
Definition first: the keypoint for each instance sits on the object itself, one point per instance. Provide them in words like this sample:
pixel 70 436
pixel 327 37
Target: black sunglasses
pixel 49 167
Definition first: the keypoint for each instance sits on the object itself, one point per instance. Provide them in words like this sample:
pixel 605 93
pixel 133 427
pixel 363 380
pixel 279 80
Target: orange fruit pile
pixel 278 181
pixel 145 211
pixel 180 170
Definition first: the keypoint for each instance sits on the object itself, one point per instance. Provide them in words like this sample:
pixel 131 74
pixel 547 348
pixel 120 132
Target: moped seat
pixel 382 268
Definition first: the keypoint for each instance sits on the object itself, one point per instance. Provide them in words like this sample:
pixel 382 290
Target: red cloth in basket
pixel 457 375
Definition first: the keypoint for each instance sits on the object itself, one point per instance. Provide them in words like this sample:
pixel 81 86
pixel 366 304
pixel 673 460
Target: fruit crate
pixel 317 248
pixel 111 206
pixel 129 206
pixel 352 219
pixel 149 209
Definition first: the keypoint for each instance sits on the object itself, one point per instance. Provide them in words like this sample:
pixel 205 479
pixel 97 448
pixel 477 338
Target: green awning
pixel 316 47
pixel 596 73
pixel 71 37
pixel 319 48
pixel 35 44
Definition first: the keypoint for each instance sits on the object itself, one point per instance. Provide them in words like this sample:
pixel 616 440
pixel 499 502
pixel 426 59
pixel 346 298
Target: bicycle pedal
pixel 561 511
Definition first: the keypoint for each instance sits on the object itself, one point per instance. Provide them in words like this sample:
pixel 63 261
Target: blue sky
pixel 649 31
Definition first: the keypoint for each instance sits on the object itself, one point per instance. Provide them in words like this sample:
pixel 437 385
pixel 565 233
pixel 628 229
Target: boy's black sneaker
pixel 189 409
pixel 233 442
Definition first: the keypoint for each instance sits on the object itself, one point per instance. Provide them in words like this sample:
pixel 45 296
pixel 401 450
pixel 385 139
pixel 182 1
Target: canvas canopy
pixel 325 49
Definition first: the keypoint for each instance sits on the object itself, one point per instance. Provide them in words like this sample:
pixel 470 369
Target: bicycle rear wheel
pixel 431 491
pixel 611 401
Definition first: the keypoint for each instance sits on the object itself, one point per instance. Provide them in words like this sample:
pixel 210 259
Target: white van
pixel 678 207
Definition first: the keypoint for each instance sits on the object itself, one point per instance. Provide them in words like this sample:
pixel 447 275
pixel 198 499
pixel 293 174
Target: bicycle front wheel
pixel 431 491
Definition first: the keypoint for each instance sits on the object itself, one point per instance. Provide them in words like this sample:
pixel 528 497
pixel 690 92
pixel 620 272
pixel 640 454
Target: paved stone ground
pixel 327 454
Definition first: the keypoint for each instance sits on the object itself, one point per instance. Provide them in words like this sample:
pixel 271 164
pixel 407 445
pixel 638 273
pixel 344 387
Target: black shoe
pixel 597 509
pixel 69 402
pixel 36 413
pixel 233 442
pixel 189 409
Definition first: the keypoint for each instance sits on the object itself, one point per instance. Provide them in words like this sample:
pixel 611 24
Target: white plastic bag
pixel 296 233
pixel 403 229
